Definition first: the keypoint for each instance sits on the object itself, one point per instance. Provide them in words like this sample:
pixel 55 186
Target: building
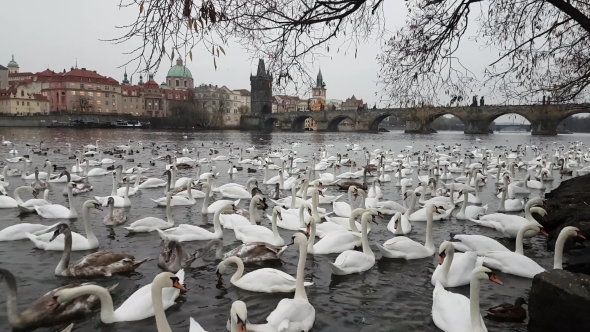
pixel 224 106
pixel 352 104
pixel 179 77
pixel 20 100
pixel 284 103
pixel 3 77
pixel 13 67
pixel 261 87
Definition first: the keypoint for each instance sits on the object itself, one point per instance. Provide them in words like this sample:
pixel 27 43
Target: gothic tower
pixel 261 87
pixel 319 91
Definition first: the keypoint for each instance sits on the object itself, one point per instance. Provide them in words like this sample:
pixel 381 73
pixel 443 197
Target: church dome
pixel 12 63
pixel 179 70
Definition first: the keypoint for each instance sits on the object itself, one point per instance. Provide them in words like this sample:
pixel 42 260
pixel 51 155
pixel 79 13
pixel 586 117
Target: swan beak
pixel 355 197
pixel 308 229
pixel 544 232
pixel 321 193
pixel 35 193
pixel 460 194
pixel 442 258
pixel 178 285
pixel 53 303
pixel 495 279
pixel 380 215
pixel 241 325
pixel 581 236
pixel 280 216
pixel 373 220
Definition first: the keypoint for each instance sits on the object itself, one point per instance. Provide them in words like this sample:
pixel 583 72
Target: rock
pixel 559 301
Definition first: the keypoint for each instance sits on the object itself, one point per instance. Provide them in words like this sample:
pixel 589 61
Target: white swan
pixel 79 242
pixel 257 233
pixel 29 205
pixel 453 269
pixel 179 200
pixel 422 214
pixel 209 209
pixel 119 201
pixel 56 211
pixel 265 280
pixel 185 232
pixel 77 168
pixel 452 312
pixel 480 244
pixel 352 261
pixel 150 183
pixel 343 209
pixel 233 220
pixel 471 211
pixel 508 224
pixel 294 222
pixel 150 299
pixel 149 224
pixel 94 171
pixel 509 205
pixel 7 202
pixel 406 248
pixel 236 191
pixel 296 314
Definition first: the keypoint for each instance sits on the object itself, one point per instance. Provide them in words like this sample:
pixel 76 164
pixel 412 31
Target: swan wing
pixel 513 263
pixel 53 211
pixel 450 311
pixel 195 327
pixel 292 315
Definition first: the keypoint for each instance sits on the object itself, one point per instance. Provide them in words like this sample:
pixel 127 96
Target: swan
pixel 149 183
pixel 233 220
pixel 352 261
pixel 375 190
pixel 296 314
pixel 119 201
pixel 534 184
pixel 173 258
pixel 45 241
pixel 265 280
pixel 7 202
pixel 94 171
pixel 142 304
pixel 179 200
pixel 29 206
pixel 292 201
pixel 39 184
pixel 422 215
pixel 480 244
pixel 509 225
pixel 406 248
pixel 509 205
pixel 185 232
pixel 471 211
pixel 248 252
pixel 77 168
pixel 294 222
pixel 399 224
pixel 343 209
pixel 452 312
pixel 98 264
pixel 64 177
pixel 114 217
pixel 4 179
pixel 257 233
pixel 44 312
pixel 237 191
pixel 208 209
pixel 453 269
pixel 149 224
pixel 56 211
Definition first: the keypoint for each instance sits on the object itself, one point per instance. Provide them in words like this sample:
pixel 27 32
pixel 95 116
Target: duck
pixel 507 312
pixel 29 205
pixel 352 261
pixel 186 232
pixel 453 269
pixel 150 224
pixel 296 314
pixel 264 280
pixel 44 312
pixel 7 202
pixel 98 264
pixel 248 252
pixel 163 291
pixel 114 217
pixel 257 233
pixel 173 258
pixel 56 211
pixel 408 249
pixel 79 242
pixel 452 312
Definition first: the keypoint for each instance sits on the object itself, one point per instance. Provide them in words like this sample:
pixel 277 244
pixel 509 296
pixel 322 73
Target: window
pixel 114 105
pixel 235 111
pixel 28 104
pixel 99 107
pixel 22 93
pixel 17 103
pixel 82 93
pixel 177 96
pixel 106 87
pixel 37 104
pixel 72 85
pixel 98 94
pixel 177 83
pixel 106 95
pixel 185 83
pixel 98 102
pixel 73 93
pixel 89 86
pixel 106 102
pixel 81 86
pixel 125 106
pixel 91 94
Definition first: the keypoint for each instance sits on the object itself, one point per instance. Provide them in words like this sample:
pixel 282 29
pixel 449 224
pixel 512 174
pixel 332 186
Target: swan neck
pixel 88 226
pixel 73 213
pixel 114 189
pixel 169 209
pixel 17 195
pixel 252 211
pixel 65 257
pixel 465 201
pixel 299 286
pixel 364 239
pixel 14 317
pixel 240 267
pixel 474 305
pixel 293 197
pixel 275 229
pixel 206 200
pixel 216 224
pixel 429 243
pixel 559 244
pixel 311 240
pixel 161 320
pixel 351 220
pixel 107 312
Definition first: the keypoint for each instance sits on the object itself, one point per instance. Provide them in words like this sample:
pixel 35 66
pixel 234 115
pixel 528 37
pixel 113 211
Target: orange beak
pixel 544 232
pixel 493 278
pixel 442 258
pixel 242 327
pixel 581 236
pixel 179 286
pixel 308 229
pixel 355 196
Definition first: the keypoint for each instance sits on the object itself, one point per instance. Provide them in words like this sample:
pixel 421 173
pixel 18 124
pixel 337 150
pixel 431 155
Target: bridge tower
pixel 319 91
pixel 261 86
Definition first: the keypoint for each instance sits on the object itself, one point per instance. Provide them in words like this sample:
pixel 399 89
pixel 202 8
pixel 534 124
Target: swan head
pixel 466 192
pixel 91 203
pixel 376 213
pixel 239 315
pixel 60 229
pixel 299 239
pixel 167 279
pixel 409 193
pixel 446 248
pixel 352 189
pixel 168 248
pixel 483 273
pixel 277 211
pixel 571 231
pixel 540 211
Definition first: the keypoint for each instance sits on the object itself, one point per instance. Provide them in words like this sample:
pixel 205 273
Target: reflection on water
pixel 393 296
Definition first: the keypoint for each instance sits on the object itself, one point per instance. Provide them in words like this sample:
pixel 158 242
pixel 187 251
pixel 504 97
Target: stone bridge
pixel 543 118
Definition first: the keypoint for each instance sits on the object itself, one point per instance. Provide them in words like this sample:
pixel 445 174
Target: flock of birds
pixel 435 183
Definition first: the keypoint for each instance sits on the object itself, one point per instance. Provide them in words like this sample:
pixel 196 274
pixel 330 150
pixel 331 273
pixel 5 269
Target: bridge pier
pixel 477 127
pixel 417 126
pixel 544 127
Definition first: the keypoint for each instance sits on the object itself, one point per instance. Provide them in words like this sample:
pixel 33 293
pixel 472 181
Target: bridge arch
pixel 298 124
pixel 568 123
pixel 488 122
pixel 335 122
pixel 573 111
pixel 376 121
pixel 270 124
pixel 430 119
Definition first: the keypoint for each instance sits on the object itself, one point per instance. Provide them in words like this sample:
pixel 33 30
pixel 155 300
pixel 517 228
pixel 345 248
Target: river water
pixel 394 295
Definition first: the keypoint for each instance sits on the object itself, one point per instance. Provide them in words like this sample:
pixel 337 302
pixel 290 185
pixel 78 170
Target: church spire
pixel 125 80
pixel 320 80
pixel 261 69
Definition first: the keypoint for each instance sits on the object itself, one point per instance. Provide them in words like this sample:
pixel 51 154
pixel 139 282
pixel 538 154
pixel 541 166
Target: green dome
pixel 179 70
pixel 12 63
pixel 165 86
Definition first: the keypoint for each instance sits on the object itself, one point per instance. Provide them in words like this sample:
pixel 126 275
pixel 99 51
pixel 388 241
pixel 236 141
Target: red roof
pixel 151 84
pixel 243 92
pixel 83 75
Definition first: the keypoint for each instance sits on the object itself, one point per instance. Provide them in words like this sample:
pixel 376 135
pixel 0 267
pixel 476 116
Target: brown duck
pixel 507 312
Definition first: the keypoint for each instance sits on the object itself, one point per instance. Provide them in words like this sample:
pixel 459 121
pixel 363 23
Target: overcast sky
pixel 56 33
